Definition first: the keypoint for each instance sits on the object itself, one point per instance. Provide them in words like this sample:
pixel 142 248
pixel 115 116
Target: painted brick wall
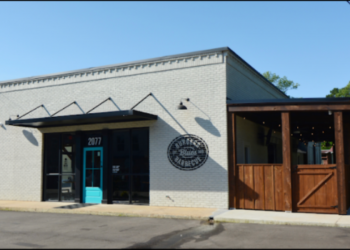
pixel 201 78
pixel 244 84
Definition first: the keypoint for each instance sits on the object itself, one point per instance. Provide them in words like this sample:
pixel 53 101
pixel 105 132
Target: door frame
pixel 84 168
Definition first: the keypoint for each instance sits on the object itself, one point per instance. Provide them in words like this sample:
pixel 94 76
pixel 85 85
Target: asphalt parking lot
pixel 47 230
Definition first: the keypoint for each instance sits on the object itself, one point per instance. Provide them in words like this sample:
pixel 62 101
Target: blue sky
pixel 309 42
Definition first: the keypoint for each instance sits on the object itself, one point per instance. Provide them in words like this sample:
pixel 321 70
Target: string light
pixel 263 122
pixel 291 134
pixel 243 118
pixel 322 132
pixel 297 127
pixel 301 135
pixel 313 127
pixel 279 125
pixel 330 127
pixel 312 133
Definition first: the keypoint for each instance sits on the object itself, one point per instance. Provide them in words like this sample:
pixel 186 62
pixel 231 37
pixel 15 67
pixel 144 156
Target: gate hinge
pixel 334 206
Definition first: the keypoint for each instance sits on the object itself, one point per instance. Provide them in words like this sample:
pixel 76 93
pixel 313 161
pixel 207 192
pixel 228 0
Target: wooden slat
pixel 320 193
pixel 269 185
pixel 316 206
pixel 286 108
pixel 339 151
pixel 279 196
pixel 240 187
pixel 323 166
pixel 287 162
pixel 248 187
pixel 258 188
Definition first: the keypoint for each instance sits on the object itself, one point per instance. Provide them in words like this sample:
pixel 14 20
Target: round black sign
pixel 188 152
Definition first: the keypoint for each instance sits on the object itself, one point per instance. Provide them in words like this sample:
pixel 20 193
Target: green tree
pixel 343 92
pixel 280 82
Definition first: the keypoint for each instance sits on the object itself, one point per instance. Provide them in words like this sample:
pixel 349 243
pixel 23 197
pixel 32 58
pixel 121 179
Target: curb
pixel 65 211
pixel 290 223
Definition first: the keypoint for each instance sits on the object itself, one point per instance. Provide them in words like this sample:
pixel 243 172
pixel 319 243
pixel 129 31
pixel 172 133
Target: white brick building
pixel 43 158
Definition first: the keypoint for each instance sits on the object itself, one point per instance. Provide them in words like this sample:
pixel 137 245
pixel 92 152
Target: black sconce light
pixel 181 106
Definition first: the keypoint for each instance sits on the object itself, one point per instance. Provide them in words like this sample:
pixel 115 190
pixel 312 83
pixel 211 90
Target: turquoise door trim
pixel 93 190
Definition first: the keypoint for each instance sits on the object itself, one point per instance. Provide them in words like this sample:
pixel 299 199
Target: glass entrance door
pixel 93 175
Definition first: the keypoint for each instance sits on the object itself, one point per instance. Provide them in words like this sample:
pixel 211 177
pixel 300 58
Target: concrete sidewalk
pixel 112 210
pixel 283 218
pixel 219 215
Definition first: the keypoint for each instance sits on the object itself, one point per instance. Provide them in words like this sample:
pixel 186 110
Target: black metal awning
pixel 83 119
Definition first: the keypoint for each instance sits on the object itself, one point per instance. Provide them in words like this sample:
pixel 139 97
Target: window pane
pixel 140 151
pixel 52 142
pixel 312 138
pixel 88 159
pixel 68 143
pixel 67 188
pixel 121 187
pixel 140 189
pixel 51 191
pixel 121 152
pixel 88 178
pixel 96 178
pixel 259 138
pixel 67 163
pixel 97 159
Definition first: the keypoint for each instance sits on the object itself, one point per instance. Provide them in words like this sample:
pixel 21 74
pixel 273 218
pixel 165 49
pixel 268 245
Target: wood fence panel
pixel 260 187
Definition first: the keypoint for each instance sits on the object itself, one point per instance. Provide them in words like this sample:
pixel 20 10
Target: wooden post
pixel 231 118
pixel 287 161
pixel 340 160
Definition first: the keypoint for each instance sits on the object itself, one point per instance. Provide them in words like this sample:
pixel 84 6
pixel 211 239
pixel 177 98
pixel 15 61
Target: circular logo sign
pixel 188 152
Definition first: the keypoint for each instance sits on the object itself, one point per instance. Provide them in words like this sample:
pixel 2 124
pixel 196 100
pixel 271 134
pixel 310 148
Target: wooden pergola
pixel 339 108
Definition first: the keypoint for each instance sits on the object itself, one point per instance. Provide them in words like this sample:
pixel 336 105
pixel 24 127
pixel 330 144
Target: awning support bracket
pixel 67 107
pixel 42 105
pixel 141 100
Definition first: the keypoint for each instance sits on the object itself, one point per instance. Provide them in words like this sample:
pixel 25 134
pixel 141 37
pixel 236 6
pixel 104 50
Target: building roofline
pixel 162 58
pixel 292 101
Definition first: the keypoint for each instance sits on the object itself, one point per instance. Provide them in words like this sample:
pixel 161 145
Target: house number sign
pixel 188 152
pixel 94 141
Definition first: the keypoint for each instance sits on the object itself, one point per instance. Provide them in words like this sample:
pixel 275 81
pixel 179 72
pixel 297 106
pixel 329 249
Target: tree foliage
pixel 343 92
pixel 280 82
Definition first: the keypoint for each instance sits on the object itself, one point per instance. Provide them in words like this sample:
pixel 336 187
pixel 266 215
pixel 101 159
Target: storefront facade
pixel 147 132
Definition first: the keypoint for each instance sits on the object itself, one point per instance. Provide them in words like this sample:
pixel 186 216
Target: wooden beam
pixel 287 161
pixel 321 107
pixel 340 160
pixel 232 161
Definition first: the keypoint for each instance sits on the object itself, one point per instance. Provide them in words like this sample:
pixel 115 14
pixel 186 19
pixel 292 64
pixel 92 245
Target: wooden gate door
pixel 314 189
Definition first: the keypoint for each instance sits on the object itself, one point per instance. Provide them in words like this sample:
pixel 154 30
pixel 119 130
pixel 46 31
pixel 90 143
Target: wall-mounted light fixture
pixel 329 112
pixel 181 106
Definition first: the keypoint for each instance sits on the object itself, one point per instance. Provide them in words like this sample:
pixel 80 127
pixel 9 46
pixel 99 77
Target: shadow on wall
pixel 30 137
pixel 206 124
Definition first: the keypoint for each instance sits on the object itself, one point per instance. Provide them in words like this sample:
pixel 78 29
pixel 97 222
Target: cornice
pixel 132 68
